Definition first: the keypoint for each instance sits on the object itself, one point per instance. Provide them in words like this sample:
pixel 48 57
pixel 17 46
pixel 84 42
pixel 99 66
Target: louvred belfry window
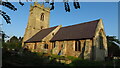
pixel 42 17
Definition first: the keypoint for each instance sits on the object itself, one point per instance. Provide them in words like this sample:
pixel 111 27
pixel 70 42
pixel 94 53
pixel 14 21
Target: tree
pixel 13 39
pixel 12 7
pixel 13 43
pixel 113 49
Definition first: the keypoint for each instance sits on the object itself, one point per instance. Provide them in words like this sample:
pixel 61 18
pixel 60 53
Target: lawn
pixel 27 58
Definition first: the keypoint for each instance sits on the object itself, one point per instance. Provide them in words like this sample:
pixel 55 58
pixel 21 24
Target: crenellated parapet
pixel 40 6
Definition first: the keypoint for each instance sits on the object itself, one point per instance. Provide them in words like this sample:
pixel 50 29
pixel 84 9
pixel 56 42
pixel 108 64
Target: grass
pixel 72 58
pixel 28 59
pixel 38 59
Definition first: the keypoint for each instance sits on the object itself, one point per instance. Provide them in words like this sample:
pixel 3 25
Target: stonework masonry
pixel 93 48
pixel 35 24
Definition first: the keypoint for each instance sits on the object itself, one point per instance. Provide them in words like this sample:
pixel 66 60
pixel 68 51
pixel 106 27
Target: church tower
pixel 38 20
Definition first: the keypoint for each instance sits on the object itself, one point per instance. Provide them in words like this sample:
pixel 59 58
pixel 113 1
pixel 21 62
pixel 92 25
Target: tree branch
pixel 5 16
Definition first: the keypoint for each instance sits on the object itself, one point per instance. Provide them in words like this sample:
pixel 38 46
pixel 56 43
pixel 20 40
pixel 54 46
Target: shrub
pixel 81 62
pixel 57 56
pixel 72 58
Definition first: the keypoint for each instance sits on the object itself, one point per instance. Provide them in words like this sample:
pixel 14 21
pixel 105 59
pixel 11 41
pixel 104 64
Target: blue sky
pixel 108 11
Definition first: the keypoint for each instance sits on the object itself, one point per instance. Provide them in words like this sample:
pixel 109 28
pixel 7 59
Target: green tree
pixel 13 43
pixel 113 49
pixel 14 39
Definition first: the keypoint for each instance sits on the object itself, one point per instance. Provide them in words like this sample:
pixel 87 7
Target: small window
pixel 77 46
pixel 53 34
pixel 31 12
pixel 46 46
pixel 53 44
pixel 41 27
pixel 35 46
pixel 62 46
pixel 42 17
pixel 84 43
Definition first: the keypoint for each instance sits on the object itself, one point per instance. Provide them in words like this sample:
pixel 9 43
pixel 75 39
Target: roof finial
pixel 36 2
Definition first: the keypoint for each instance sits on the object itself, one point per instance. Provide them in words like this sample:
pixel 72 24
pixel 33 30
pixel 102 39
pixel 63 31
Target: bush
pixel 117 62
pixel 57 56
pixel 72 58
pixel 81 63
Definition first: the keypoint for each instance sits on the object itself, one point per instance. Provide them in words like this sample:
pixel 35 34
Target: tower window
pixel 77 46
pixel 42 17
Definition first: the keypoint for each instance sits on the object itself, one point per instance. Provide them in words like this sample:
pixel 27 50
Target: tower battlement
pixel 40 6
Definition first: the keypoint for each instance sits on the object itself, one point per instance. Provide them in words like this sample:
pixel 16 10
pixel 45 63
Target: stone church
pixel 85 40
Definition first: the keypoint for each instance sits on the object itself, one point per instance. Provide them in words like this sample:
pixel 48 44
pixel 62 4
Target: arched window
pixel 46 46
pixel 35 46
pixel 77 46
pixel 42 17
pixel 101 41
pixel 53 44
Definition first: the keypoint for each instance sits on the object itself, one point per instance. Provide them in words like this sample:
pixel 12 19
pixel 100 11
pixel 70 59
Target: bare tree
pixel 51 4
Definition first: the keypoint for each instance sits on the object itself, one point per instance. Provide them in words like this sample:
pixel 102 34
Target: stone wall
pixel 100 54
pixel 88 49
pixel 67 48
pixel 63 48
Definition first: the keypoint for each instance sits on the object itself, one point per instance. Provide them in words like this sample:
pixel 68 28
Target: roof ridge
pixel 82 23
pixel 50 27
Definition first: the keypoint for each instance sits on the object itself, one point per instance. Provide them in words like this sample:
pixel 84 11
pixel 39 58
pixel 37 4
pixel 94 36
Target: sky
pixel 89 11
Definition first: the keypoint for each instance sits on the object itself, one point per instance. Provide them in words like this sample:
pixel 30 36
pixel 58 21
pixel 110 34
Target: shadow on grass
pixel 33 59
pixel 27 58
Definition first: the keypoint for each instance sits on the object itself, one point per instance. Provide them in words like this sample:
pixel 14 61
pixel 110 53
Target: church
pixel 85 40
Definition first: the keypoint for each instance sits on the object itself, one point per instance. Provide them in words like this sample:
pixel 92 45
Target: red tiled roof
pixel 40 35
pixel 78 31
